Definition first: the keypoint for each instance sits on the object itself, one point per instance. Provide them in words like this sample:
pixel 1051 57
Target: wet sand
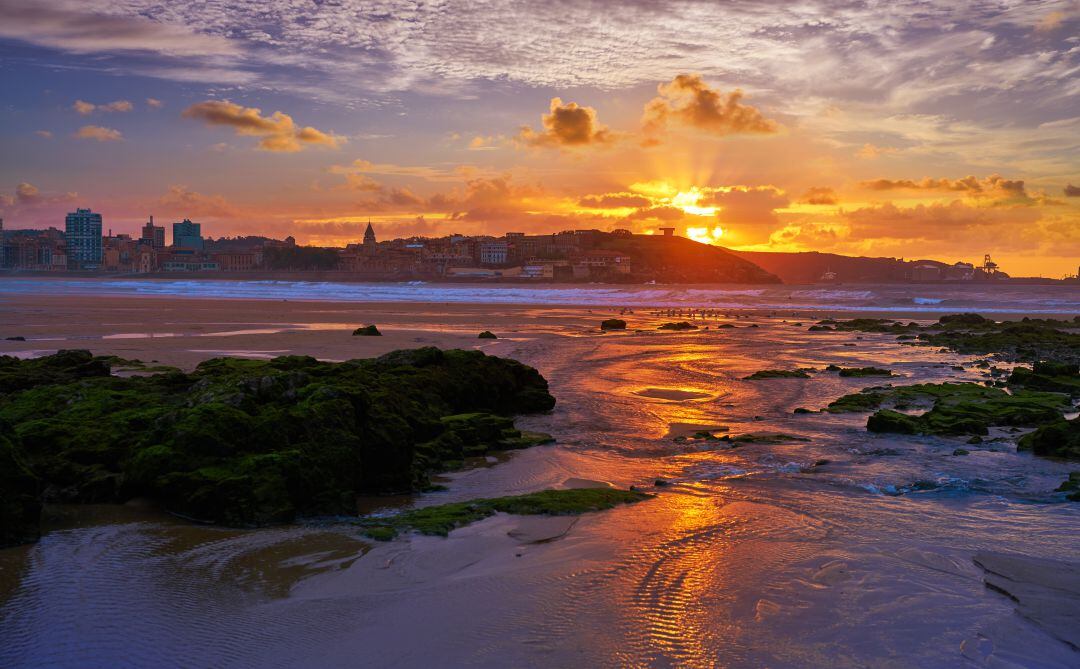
pixel 751 556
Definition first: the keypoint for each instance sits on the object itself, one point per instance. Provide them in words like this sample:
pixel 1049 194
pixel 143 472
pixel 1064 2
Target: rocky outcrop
pixel 250 442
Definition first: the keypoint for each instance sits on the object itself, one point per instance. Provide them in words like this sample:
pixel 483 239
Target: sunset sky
pixel 911 129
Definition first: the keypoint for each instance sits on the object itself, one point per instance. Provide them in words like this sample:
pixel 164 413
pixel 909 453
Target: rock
pixel 661 483
pixel 253 442
pixel 367 331
pixel 777 374
pixel 802 410
pixel 1060 439
pixel 20 499
pixel 487 334
pixel 961 451
pixel 16 338
pixel 1071 486
pixel 680 326
pixel 1046 592
pixel 613 324
pixel 865 371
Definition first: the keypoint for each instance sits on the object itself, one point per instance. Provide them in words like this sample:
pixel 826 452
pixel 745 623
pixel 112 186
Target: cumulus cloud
pixel 567 125
pixel 819 195
pixel 1002 191
pixel 687 100
pixel 46 134
pixel 748 205
pixel 659 213
pixel 29 198
pixel 154 103
pixel 940 221
pixel 86 108
pixel 614 201
pixel 181 201
pixel 99 133
pixel 277 132
pixel 1072 191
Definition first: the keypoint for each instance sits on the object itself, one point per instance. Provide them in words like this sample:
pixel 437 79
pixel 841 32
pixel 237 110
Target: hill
pixel 681 260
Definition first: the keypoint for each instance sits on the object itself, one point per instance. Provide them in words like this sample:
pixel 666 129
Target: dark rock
pixel 20 496
pixel 250 442
pixel 681 325
pixel 367 331
pixel 777 374
pixel 613 324
pixel 1059 439
pixel 961 451
pixel 487 334
pixel 16 338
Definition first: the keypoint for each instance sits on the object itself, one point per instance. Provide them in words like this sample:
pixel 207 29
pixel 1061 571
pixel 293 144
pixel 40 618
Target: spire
pixel 369 235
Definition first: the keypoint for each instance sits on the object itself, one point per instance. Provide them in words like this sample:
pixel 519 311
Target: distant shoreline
pixel 353 277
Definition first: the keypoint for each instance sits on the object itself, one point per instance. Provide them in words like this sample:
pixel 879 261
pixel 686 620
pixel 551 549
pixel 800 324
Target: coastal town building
pixel 82 233
pixel 187 235
pixel 154 234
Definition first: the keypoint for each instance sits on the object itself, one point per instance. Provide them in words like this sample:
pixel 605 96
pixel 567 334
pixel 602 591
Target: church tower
pixel 369 239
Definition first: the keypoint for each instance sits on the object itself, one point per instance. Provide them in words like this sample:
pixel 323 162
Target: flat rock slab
pixel 541 529
pixel 1046 592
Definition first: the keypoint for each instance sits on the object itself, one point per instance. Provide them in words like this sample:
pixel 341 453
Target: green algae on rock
pixel 865 371
pixel 1056 377
pixel 440 520
pixel 1060 439
pixel 777 374
pixel 1071 486
pixel 252 442
pixel 20 503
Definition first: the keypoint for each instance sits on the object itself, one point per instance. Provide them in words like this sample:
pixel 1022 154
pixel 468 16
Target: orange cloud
pixel 689 101
pixel 182 201
pixel 870 151
pixel 819 195
pixel 567 125
pixel 614 201
pixel 99 133
pixel 278 132
pixel 86 108
pixel 1072 191
pixel 1002 191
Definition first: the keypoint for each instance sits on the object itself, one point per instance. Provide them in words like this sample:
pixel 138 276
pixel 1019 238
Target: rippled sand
pixel 759 555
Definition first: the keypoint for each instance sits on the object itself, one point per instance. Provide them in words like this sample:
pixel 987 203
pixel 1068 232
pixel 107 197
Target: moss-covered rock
pixel 1060 438
pixel 64 366
pixel 440 520
pixel 250 442
pixel 1058 377
pixel 613 324
pixel 1071 486
pixel 865 371
pixel 367 331
pixel 777 374
pixel 20 502
pixel 955 408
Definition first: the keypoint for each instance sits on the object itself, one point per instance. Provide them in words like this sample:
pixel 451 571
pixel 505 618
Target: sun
pixel 706 235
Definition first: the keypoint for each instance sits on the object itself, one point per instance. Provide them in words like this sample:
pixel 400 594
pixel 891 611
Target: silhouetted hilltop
pixel 681 260
pixel 810 267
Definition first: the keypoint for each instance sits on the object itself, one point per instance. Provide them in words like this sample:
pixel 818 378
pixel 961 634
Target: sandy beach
pixel 817 548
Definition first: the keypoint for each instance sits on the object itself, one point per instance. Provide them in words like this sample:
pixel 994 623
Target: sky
pixel 909 128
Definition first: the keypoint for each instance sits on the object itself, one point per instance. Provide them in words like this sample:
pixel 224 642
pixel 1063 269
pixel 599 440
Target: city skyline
pixel 920 129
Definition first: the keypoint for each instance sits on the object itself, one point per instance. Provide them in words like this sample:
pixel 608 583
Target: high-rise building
pixel 187 235
pixel 154 234
pixel 82 232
